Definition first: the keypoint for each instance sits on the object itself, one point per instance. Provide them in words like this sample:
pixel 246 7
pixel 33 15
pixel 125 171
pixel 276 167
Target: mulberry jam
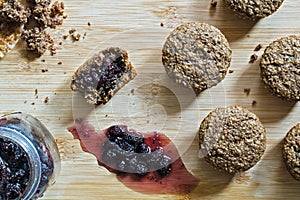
pixel 145 162
pixel 29 158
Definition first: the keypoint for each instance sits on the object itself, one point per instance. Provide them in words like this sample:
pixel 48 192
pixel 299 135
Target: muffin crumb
pixel 46 100
pixel 258 47
pixel 247 91
pixel 213 4
pixel 253 58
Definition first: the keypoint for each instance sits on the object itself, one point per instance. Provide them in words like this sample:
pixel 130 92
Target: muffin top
pixel 196 55
pixel 290 151
pixel 254 9
pixel 280 67
pixel 232 139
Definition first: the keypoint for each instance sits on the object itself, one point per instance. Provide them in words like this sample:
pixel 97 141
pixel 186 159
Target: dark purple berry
pixel 165 165
pixel 127 151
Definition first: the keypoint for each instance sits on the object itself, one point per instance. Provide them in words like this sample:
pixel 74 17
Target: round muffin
pixel 196 55
pixel 290 151
pixel 280 68
pixel 232 139
pixel 254 9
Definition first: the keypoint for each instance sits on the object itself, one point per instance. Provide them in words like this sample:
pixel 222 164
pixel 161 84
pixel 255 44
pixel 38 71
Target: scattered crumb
pixel 89 23
pixel 132 91
pixel 231 71
pixel 106 115
pixel 162 24
pixel 59 63
pixel 46 100
pixel 43 60
pixel 84 35
pixel 60 43
pixel 44 70
pixel 258 47
pixel 253 58
pixel 254 103
pixel 32 103
pixel 247 91
pixel 65 72
pixel 72 30
pixel 65 37
pixel 75 37
pixel 25 101
pixel 213 3
pixel 54 93
pixel 36 93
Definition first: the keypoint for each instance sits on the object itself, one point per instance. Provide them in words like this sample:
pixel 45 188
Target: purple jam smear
pixel 145 162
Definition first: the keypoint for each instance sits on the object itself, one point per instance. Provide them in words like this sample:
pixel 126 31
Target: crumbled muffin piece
pixel 13 12
pixel 36 16
pixel 48 16
pixel 37 41
pixel 9 37
pixel 196 55
pixel 100 77
pixel 232 139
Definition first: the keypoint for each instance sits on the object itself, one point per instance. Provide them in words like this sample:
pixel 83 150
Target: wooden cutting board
pixel 137 26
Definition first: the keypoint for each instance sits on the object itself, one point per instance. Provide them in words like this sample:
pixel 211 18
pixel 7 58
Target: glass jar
pixel 29 157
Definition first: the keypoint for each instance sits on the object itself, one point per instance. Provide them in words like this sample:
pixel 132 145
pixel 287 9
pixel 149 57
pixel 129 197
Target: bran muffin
pixel 290 151
pixel 196 55
pixel 232 139
pixel 280 68
pixel 254 9
pixel 101 76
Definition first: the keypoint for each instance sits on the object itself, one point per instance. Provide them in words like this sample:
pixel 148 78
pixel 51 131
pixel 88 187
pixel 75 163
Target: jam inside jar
pixel 29 157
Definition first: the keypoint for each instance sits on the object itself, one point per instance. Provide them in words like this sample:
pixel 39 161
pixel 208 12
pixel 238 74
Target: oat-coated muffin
pixel 101 76
pixel 232 139
pixel 196 55
pixel 254 9
pixel 291 151
pixel 280 68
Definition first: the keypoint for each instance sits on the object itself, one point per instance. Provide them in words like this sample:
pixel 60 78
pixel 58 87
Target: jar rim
pixel 32 156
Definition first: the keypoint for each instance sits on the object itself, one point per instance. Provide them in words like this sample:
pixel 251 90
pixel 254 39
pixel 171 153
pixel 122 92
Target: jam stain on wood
pixel 177 180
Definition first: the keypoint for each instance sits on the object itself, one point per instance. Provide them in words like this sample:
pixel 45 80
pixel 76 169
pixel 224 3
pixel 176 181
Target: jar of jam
pixel 29 157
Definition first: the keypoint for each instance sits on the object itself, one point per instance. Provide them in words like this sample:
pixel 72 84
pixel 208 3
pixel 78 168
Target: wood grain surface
pixel 157 104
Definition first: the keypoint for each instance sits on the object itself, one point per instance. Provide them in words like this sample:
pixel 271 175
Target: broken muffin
pixel 101 76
